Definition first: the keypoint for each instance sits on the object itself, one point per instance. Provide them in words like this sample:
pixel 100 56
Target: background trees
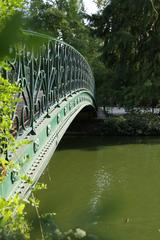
pixel 121 43
pixel 63 19
pixel 131 34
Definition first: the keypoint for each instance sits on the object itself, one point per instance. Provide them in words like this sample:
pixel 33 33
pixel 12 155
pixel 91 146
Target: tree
pixel 130 31
pixel 62 19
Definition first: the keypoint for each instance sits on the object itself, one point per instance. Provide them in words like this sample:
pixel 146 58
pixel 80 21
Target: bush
pixel 132 124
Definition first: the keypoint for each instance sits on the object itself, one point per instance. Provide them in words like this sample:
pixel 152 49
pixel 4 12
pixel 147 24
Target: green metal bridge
pixel 57 84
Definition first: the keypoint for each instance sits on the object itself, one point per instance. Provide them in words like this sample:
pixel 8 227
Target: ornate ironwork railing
pixel 47 77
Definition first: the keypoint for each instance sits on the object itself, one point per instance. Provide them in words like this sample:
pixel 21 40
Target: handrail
pixel 47 76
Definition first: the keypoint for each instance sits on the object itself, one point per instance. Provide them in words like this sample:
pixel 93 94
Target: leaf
pixel 10 34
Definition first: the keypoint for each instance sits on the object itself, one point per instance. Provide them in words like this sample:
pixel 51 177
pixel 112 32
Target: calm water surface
pixel 107 186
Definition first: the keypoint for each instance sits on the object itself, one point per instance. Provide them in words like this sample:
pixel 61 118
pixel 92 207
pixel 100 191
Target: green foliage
pixel 13 225
pixel 8 9
pixel 132 124
pixel 40 186
pixel 101 3
pixel 7 106
pixel 10 22
pixel 27 179
pixel 8 101
pixel 130 31
pixel 10 34
pixel 12 215
pixel 62 19
pixel 34 202
pixel 9 28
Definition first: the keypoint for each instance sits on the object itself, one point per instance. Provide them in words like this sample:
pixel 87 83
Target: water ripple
pixel 103 179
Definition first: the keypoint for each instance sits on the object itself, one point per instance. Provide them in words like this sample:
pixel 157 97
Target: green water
pixel 107 186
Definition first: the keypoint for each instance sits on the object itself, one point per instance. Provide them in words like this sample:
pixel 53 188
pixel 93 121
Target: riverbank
pixel 131 124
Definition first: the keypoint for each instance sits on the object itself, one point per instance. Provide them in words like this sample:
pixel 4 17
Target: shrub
pixel 133 124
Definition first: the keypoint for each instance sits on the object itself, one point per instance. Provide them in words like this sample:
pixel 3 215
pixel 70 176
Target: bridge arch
pixel 57 83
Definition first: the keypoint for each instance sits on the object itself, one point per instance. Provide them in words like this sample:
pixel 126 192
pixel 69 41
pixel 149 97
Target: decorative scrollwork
pixel 47 77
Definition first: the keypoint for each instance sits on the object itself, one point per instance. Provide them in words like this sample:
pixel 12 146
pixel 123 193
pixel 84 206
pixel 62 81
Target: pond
pixel 109 187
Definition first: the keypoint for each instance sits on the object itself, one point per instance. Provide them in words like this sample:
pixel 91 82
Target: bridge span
pixel 57 83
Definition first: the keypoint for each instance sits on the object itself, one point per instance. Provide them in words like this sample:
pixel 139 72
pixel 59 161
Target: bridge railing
pixel 47 76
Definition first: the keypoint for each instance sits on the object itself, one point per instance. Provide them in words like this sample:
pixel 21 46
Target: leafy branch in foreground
pixel 13 224
pixel 8 102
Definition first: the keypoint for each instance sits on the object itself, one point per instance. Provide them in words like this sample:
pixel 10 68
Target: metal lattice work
pixel 47 76
pixel 57 83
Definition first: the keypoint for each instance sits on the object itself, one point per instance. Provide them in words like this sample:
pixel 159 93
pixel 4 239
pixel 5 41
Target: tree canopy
pixel 131 34
pixel 62 19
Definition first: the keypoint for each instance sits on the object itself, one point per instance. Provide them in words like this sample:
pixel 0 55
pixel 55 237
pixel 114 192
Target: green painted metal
pixel 57 84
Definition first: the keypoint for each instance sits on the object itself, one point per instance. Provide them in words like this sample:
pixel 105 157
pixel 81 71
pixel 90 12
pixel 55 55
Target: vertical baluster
pixel 57 72
pixel 71 71
pixel 65 71
pixel 31 80
pixel 48 79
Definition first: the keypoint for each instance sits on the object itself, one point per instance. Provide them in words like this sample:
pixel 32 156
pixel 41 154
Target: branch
pixel 156 13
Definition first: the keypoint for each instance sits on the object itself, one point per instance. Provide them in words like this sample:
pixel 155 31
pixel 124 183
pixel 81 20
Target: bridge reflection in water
pixel 57 83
